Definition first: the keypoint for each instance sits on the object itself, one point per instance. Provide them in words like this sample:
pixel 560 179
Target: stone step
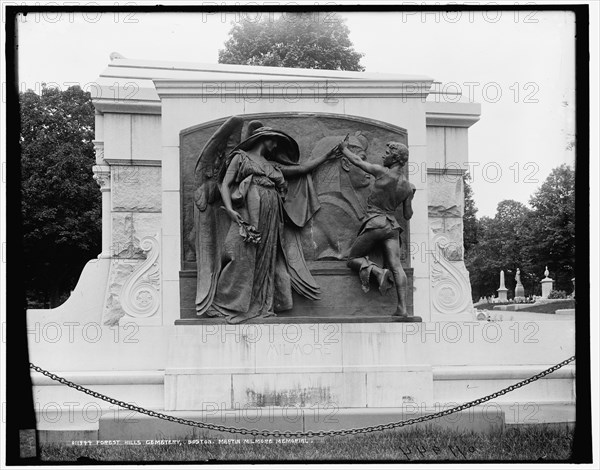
pixel 481 419
pixel 295 419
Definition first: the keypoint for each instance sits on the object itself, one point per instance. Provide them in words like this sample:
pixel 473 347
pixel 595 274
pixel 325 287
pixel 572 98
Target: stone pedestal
pixel 547 287
pixel 519 290
pixel 502 289
pixel 325 365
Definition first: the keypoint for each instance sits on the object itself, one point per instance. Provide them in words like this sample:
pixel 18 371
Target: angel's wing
pixel 212 157
pixel 210 224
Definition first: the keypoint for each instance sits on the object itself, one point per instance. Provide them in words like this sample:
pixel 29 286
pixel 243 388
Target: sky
pixel 519 65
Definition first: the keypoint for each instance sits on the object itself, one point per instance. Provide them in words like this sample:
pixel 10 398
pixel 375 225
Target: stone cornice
pixel 143 68
pixel 132 162
pixel 293 90
pixel 449 114
pixel 128 106
pixel 451 119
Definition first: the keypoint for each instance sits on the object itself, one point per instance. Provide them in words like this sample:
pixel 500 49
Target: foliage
pixel 60 201
pixel 553 222
pixel 526 238
pixel 469 215
pixel 499 248
pixel 557 294
pixel 298 40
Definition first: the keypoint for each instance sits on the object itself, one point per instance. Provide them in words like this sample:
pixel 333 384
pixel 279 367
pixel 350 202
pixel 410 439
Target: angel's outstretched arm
pixel 296 170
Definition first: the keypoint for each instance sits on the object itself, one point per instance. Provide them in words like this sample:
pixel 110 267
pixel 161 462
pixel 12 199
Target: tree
pixel 61 204
pixel 500 246
pixel 553 227
pixel 469 215
pixel 529 239
pixel 299 40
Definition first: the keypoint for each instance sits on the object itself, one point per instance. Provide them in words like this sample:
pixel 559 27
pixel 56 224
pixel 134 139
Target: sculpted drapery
pixel 247 219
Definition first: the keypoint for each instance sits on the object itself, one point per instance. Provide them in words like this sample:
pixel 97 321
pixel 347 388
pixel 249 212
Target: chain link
pixel 295 434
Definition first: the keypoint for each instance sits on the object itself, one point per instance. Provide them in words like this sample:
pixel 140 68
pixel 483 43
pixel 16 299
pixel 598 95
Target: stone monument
pixel 502 289
pixel 547 284
pixel 143 324
pixel 519 289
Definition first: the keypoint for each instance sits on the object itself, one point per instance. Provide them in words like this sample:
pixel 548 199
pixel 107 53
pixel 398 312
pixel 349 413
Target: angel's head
pixel 269 145
pixel 272 144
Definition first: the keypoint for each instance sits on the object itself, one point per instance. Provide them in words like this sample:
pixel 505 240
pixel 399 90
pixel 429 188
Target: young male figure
pixel 380 227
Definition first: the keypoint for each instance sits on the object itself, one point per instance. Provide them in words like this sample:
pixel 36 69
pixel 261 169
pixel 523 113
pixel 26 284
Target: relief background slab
pixel 331 231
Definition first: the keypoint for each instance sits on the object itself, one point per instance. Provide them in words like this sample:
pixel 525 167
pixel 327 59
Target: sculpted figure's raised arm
pixel 380 228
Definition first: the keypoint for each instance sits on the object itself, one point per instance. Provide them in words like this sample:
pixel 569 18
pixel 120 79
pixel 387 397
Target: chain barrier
pixel 295 434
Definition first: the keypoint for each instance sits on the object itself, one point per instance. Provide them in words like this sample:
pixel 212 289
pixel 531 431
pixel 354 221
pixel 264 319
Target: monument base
pixel 481 419
pixel 367 372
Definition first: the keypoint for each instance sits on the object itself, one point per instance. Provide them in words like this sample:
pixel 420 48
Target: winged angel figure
pixel 253 197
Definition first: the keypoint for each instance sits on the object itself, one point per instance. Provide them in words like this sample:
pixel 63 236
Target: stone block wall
pixel 447 160
pixel 133 291
pixel 128 154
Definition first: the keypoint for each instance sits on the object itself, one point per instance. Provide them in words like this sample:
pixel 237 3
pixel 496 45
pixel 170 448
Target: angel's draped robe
pixel 260 277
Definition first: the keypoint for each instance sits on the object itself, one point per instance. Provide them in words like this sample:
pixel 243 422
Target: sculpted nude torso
pixel 390 191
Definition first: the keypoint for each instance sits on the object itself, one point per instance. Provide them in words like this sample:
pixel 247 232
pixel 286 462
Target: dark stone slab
pixel 342 299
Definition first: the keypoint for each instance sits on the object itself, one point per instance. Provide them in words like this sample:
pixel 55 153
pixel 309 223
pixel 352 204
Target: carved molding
pixel 294 114
pixel 99 149
pixel 450 287
pixel 140 295
pixel 323 88
pixel 102 176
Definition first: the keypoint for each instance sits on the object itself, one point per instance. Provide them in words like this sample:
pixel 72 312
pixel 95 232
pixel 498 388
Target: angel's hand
pixel 343 145
pixel 334 153
pixel 235 216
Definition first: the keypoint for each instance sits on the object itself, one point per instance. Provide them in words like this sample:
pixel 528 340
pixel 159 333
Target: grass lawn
pixel 534 443
pixel 550 308
pixel 544 308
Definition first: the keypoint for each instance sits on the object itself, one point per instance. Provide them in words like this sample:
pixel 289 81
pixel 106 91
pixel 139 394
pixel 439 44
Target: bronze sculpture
pixel 380 228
